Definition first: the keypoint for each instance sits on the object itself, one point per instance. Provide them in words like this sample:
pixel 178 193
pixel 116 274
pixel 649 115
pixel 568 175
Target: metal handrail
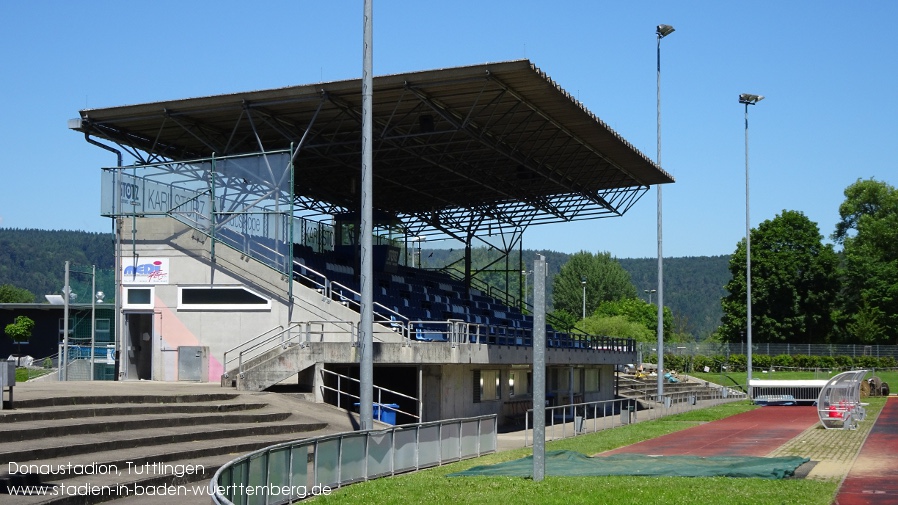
pixel 224 358
pixel 263 341
pixel 322 286
pixel 345 299
pixel 380 390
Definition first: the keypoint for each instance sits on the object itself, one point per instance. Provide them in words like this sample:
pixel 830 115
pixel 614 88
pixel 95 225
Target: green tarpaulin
pixel 570 463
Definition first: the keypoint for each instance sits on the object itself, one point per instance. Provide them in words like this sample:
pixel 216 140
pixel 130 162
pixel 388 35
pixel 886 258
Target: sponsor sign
pixel 145 271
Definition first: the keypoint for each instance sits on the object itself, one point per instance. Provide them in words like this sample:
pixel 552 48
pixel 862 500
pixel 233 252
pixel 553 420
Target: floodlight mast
pixel 748 99
pixel 366 320
pixel 661 31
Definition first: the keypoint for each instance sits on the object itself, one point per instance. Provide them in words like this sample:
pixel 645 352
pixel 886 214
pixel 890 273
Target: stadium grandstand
pixel 237 225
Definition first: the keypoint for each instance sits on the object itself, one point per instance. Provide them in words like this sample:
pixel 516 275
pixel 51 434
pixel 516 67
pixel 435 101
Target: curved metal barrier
pixel 295 470
pixel 839 404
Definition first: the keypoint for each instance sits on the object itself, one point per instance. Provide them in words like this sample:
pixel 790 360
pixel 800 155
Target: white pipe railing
pixel 572 419
pixel 339 390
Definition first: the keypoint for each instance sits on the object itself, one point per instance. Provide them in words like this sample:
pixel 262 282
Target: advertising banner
pixel 145 271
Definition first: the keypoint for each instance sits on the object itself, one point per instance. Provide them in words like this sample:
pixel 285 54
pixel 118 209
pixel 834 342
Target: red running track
pixel 874 476
pixel 754 433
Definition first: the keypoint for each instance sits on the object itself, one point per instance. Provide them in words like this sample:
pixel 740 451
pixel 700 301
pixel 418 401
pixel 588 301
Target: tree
pixel 794 284
pixel 637 311
pixel 868 233
pixel 20 331
pixel 605 278
pixel 12 294
pixel 617 326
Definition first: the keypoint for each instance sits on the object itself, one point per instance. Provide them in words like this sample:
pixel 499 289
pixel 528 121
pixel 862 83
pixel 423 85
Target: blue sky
pixel 826 68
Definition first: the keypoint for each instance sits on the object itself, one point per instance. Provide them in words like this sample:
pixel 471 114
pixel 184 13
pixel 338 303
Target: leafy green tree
pixel 638 311
pixel 605 279
pixel 868 233
pixel 617 326
pixel 20 331
pixel 794 284
pixel 562 320
pixel 12 294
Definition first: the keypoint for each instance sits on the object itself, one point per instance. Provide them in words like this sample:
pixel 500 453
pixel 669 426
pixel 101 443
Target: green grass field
pixel 432 486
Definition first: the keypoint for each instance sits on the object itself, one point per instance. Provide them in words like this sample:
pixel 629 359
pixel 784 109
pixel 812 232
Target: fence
pixel 771 349
pixel 294 470
pixel 569 420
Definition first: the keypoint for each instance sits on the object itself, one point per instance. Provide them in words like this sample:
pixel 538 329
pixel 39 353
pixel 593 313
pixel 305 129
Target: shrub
pixel 760 361
pixel 783 360
pixel 844 362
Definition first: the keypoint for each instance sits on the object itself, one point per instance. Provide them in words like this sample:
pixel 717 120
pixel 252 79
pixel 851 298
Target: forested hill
pixel 693 286
pixel 35 259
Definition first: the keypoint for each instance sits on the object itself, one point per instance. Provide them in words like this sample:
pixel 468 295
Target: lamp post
pixel 525 273
pixel 649 292
pixel 416 254
pixel 748 99
pixel 583 283
pixel 661 31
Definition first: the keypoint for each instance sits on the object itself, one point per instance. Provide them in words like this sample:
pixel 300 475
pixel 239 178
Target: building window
pixel 519 382
pixel 138 298
pixel 221 298
pixel 593 379
pixel 490 387
pixel 478 386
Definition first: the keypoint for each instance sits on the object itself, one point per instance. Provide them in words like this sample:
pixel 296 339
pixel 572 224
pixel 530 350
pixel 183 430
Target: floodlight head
pixel 664 31
pixel 750 99
pixel 583 280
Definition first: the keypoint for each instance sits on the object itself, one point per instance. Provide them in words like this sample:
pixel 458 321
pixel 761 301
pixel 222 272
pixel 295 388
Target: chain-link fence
pixel 727 349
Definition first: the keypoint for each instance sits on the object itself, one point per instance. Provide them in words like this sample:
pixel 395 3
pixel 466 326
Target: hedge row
pixel 737 362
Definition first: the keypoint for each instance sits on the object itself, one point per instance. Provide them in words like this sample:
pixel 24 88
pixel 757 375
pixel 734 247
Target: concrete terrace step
pixel 196 466
pixel 67 412
pixel 145 431
pixel 146 487
pixel 43 429
pixel 59 401
pixel 66 447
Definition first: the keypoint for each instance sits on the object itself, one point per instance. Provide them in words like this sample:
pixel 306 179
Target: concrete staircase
pixel 631 387
pixel 122 438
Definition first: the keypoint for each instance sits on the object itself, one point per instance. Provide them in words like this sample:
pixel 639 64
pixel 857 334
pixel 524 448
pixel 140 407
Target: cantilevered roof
pixel 456 150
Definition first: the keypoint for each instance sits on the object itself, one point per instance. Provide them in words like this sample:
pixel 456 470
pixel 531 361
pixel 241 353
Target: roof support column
pixel 468 266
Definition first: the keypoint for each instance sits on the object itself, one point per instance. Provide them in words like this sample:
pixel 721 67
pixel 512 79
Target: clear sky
pixel 826 69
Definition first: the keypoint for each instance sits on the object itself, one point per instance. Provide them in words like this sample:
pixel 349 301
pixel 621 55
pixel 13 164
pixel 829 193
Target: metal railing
pixel 295 470
pixel 379 392
pixel 246 346
pixel 296 333
pixel 572 419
